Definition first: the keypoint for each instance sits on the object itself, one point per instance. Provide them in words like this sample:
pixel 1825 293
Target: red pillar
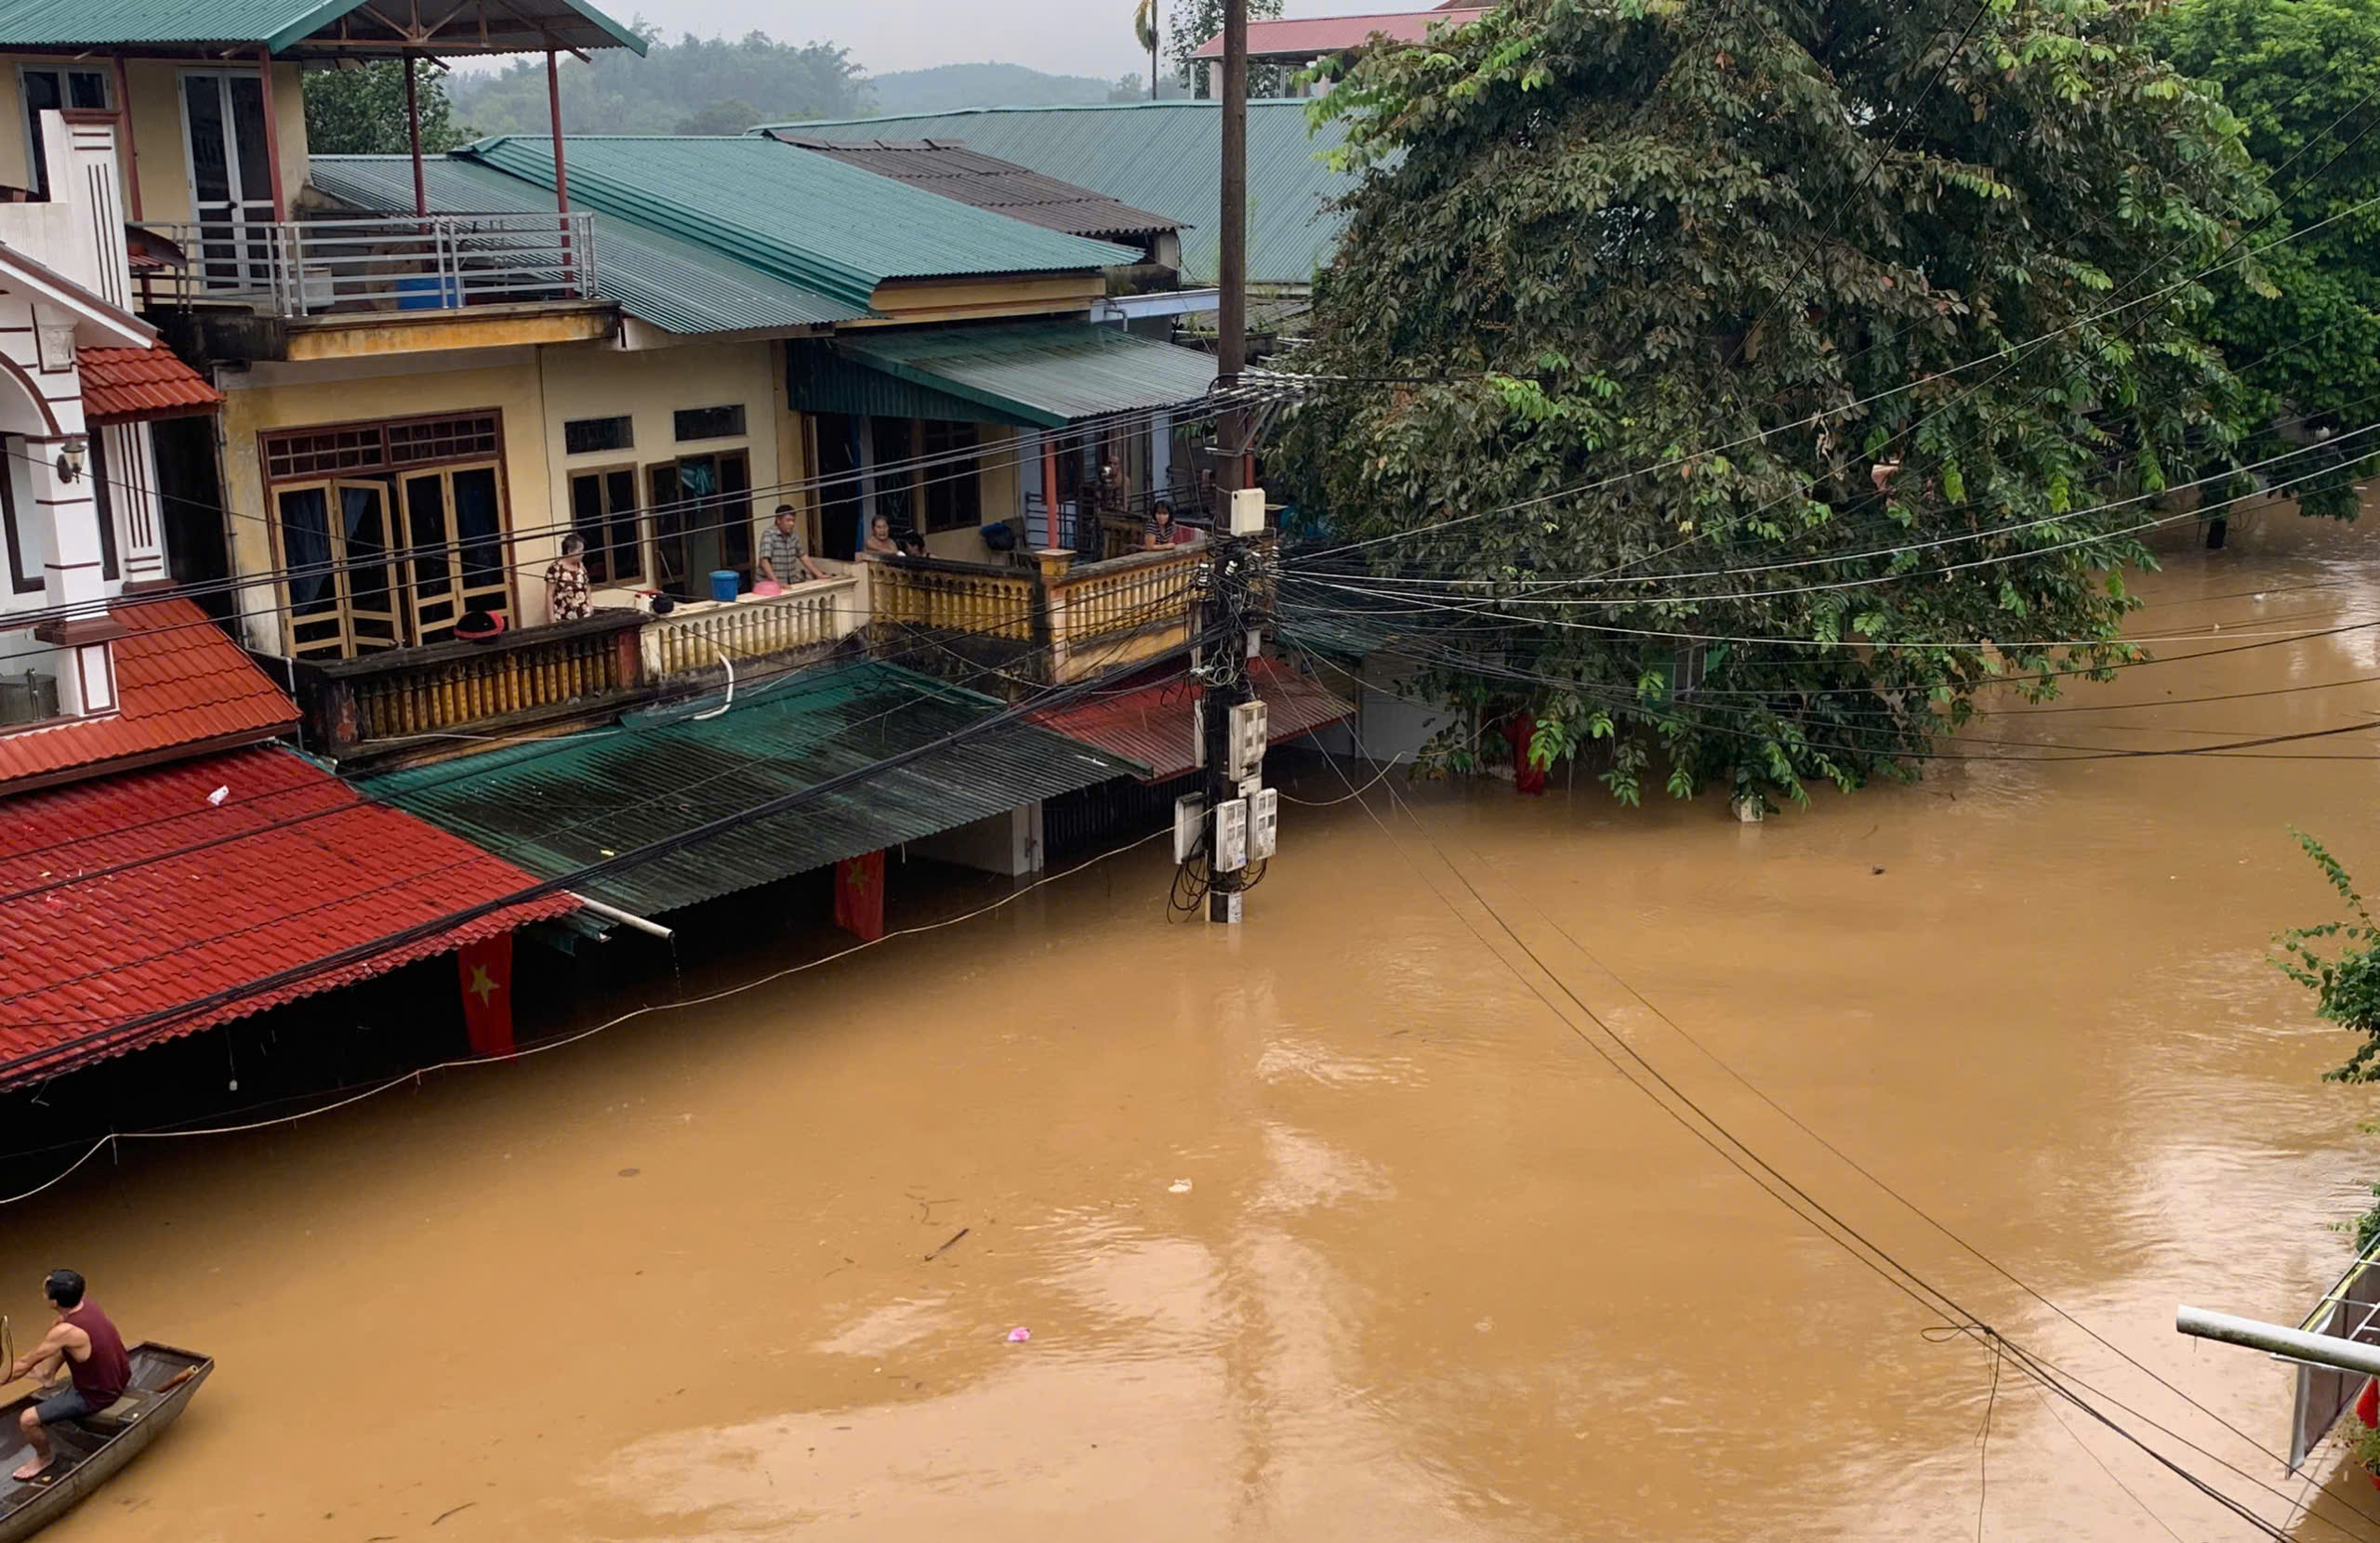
pixel 412 136
pixel 271 135
pixel 562 176
pixel 131 154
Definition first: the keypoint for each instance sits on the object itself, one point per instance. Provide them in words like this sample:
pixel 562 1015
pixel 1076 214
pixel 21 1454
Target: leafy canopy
pixel 2345 984
pixel 2304 76
pixel 362 112
pixel 1753 252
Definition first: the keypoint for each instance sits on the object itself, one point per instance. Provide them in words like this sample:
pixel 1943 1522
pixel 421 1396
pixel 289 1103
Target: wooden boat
pixel 91 1450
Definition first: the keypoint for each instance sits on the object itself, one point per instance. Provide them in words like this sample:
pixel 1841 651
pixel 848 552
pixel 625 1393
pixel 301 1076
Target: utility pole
pixel 1241 812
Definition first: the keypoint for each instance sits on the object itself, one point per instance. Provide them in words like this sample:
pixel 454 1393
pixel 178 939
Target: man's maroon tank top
pixel 102 1378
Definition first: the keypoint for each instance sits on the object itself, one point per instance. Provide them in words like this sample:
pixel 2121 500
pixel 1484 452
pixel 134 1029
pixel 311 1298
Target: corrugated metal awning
pixel 1153 724
pixel 557 806
pixel 1038 375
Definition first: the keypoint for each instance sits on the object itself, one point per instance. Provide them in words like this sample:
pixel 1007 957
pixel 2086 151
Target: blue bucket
pixel 430 293
pixel 724 583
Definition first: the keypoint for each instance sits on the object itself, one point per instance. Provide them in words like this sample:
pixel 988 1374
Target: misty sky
pixel 1067 37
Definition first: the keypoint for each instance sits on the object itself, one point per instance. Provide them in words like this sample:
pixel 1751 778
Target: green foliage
pixel 948 87
pixel 2345 982
pixel 694 85
pixel 1193 21
pixel 2304 327
pixel 1744 252
pixel 362 112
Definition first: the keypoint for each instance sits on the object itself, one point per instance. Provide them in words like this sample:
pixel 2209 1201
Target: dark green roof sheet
pixel 557 806
pixel 674 284
pixel 285 25
pixel 1165 156
pixel 804 218
pixel 1043 374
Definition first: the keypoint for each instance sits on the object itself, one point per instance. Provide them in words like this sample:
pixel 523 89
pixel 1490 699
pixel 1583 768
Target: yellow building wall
pixel 510 389
pixel 649 388
pixel 161 163
pixel 996 473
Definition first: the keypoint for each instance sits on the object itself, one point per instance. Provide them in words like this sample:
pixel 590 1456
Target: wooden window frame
pixel 645 565
pixel 625 446
pixel 926 479
pixel 742 430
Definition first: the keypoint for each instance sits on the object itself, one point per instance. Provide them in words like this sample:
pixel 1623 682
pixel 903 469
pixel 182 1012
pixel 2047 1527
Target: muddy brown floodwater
pixel 1334 1229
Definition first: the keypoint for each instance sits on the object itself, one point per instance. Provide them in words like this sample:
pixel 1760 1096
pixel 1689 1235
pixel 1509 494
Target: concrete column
pixel 132 495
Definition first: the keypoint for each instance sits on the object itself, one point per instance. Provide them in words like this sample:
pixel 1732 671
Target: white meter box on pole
pixel 1263 823
pixel 1250 732
pixel 1231 836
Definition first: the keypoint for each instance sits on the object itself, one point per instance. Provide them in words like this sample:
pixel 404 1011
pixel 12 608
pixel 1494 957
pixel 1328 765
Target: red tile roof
pixel 167 899
pixel 1310 37
pixel 136 385
pixel 1151 725
pixel 179 682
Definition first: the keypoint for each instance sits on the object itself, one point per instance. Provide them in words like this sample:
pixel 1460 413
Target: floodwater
pixel 1343 1226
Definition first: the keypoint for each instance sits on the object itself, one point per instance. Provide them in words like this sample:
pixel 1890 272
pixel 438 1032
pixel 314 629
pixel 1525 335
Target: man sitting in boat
pixel 92 1352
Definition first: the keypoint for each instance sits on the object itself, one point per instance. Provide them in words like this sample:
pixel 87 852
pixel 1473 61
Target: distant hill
pixel 950 87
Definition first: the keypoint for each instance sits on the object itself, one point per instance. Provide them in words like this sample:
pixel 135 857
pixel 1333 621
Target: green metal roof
pixel 804 218
pixel 557 806
pixel 1043 375
pixel 285 26
pixel 1164 156
pixel 674 284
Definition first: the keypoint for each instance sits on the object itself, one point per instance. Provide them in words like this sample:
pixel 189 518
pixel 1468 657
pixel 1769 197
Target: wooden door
pixel 457 557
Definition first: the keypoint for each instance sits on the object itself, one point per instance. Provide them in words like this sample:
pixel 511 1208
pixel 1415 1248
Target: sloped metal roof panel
pixel 285 25
pixel 556 808
pixel 987 182
pixel 798 216
pixel 674 284
pixel 1164 156
pixel 1043 373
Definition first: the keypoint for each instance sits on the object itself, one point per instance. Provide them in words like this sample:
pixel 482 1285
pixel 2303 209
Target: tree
pixel 673 85
pixel 727 116
pixel 2305 77
pixel 1197 21
pixel 362 112
pixel 1679 307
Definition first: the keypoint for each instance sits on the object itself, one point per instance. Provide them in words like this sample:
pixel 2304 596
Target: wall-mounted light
pixel 69 459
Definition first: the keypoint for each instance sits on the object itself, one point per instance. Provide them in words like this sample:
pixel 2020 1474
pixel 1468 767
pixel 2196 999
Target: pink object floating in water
pixel 1019 1335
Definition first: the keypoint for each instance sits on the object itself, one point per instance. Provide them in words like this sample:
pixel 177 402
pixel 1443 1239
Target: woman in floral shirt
pixel 566 598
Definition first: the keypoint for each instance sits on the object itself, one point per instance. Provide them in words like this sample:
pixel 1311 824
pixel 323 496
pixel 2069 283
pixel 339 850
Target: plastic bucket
pixel 723 582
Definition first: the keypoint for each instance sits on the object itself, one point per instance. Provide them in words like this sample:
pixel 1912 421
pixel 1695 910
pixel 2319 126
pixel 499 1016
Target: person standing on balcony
pixel 1162 530
pixel 880 538
pixel 567 595
pixel 782 561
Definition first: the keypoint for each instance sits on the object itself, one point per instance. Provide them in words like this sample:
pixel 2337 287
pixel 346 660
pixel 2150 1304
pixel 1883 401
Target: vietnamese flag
pixel 859 895
pixel 485 971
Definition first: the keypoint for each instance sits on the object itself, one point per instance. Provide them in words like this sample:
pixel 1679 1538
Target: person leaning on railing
pixel 1163 531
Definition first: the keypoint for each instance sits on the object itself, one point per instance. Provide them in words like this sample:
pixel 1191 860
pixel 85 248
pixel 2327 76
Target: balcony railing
pixel 386 262
pixel 694 639
pixel 412 702
pixel 991 627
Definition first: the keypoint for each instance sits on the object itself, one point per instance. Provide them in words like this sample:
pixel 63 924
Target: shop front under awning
pixel 1035 374
pixel 558 805
pixel 155 902
pixel 1154 724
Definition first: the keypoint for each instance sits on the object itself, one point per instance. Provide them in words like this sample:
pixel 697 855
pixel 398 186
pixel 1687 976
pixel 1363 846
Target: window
pixel 954 488
pixel 702 521
pixel 603 511
pixel 50 90
pixel 104 498
pixel 587 436
pixel 391 532
pixel 710 423
pixel 24 555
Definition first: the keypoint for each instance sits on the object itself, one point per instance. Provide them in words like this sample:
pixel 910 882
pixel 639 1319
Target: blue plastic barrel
pixel 430 293
pixel 724 583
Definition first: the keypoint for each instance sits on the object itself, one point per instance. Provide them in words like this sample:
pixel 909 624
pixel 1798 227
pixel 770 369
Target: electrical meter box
pixel 1189 819
pixel 1231 836
pixel 1250 724
pixel 1247 512
pixel 1264 824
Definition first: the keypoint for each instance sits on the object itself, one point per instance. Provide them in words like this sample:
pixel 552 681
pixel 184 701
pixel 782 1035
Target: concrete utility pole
pixel 2320 1350
pixel 1241 812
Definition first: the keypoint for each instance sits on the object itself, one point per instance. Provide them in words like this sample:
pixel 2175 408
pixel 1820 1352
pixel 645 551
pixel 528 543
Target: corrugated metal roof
pixel 1153 725
pixel 185 898
pixel 554 808
pixel 1045 375
pixel 285 25
pixel 141 386
pixel 1164 156
pixel 181 682
pixel 674 284
pixel 986 182
pixel 801 217
pixel 1308 36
